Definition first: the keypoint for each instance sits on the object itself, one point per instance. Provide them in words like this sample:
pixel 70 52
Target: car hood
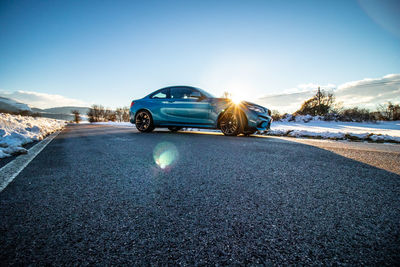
pixel 252 104
pixel 227 101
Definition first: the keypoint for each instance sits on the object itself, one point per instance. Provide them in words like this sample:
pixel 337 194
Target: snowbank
pixel 16 131
pixel 314 127
pixel 379 131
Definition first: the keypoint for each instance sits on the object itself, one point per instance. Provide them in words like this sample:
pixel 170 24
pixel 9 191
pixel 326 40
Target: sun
pixel 236 99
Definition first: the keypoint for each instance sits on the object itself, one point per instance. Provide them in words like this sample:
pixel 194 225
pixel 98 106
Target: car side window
pixel 195 94
pixel 163 94
pixel 184 93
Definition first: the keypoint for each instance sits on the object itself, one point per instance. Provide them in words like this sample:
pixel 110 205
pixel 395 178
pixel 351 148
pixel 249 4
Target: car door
pixel 187 106
pixel 157 103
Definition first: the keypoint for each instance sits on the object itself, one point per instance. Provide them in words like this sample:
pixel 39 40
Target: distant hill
pixel 10 105
pixel 61 113
pixel 63 110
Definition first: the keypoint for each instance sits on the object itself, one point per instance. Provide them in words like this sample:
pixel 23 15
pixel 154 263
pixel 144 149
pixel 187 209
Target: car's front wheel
pixel 144 121
pixel 231 124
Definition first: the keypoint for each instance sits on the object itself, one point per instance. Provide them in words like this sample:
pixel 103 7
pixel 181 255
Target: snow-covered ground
pixel 387 131
pixel 379 131
pixel 10 105
pixel 114 123
pixel 16 131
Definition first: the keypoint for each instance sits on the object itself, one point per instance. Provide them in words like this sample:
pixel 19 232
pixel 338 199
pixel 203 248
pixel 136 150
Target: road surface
pixel 101 195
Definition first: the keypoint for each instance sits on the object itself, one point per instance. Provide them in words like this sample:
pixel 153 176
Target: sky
pixel 110 52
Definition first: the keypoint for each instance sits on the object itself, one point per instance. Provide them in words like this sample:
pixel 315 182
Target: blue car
pixel 176 107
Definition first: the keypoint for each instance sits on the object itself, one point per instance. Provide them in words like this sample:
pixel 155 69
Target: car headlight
pixel 256 109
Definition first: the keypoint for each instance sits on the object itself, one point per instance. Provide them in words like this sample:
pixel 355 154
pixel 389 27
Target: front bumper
pixel 260 122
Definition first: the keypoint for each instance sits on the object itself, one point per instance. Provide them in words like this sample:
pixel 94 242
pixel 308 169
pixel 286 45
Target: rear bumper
pixel 131 117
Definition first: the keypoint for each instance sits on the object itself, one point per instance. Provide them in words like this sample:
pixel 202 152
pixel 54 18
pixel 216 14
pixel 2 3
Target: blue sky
pixel 110 52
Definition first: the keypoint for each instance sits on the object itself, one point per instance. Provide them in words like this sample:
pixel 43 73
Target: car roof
pixel 181 86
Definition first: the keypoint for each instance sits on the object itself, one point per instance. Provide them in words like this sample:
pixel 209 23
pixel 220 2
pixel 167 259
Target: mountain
pixel 62 110
pixel 9 105
pixel 61 113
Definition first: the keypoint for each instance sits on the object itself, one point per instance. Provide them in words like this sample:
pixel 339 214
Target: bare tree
pixel 109 115
pixel 125 114
pixel 96 113
pixel 77 116
pixel 276 115
pixel 320 104
pixel 226 94
pixel 389 111
pixel 118 114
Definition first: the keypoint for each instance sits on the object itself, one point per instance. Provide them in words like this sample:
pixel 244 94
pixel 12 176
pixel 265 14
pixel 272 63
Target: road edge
pixel 13 168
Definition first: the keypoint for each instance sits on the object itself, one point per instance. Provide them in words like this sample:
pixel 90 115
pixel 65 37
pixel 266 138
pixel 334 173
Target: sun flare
pixel 236 99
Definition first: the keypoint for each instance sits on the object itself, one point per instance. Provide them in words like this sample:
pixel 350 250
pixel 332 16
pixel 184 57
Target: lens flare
pixel 236 99
pixel 165 154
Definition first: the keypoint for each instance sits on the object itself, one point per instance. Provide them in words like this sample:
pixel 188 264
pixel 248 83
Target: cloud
pixel 370 92
pixel 42 100
pixel 288 102
pixel 306 87
pixel 367 93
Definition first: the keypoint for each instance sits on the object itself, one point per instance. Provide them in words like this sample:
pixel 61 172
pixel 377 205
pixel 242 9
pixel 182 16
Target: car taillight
pixel 132 103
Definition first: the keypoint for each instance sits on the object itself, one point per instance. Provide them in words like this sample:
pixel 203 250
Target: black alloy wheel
pixel 230 124
pixel 144 121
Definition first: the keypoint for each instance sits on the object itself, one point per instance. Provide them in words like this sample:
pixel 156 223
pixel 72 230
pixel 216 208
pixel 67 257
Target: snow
pixel 16 131
pixel 379 131
pixel 12 105
pixel 388 131
pixel 114 123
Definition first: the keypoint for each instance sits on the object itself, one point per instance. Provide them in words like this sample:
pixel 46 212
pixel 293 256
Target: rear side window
pixel 161 94
pixel 184 93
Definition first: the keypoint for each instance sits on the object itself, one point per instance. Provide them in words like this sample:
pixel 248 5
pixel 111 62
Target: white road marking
pixel 13 168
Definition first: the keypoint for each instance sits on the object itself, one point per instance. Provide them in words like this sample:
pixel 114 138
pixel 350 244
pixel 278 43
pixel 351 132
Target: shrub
pixel 122 114
pixel 276 116
pixel 77 116
pixel 356 115
pixel 389 112
pixel 98 113
pixel 320 104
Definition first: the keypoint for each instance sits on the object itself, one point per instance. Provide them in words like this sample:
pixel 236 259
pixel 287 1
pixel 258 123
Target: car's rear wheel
pixel 174 128
pixel 144 121
pixel 231 124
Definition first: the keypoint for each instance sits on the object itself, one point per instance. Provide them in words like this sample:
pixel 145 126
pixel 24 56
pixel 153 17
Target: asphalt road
pixel 100 195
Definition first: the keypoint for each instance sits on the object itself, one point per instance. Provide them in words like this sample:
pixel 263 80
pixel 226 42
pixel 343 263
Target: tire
pixel 231 124
pixel 174 128
pixel 144 121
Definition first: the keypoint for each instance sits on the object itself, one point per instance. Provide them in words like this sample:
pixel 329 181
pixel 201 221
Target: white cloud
pixel 370 92
pixel 367 93
pixel 306 87
pixel 42 100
